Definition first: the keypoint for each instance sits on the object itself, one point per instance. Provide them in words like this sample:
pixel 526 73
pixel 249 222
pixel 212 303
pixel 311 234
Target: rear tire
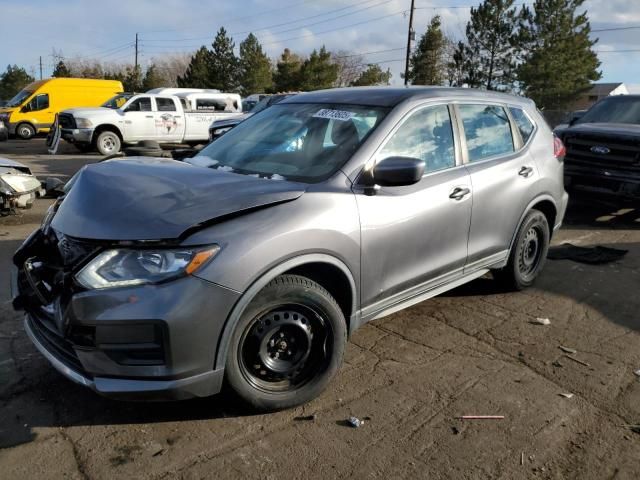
pixel 528 254
pixel 25 131
pixel 287 346
pixel 108 142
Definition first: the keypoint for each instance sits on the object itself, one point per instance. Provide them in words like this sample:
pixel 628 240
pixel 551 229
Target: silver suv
pixel 256 259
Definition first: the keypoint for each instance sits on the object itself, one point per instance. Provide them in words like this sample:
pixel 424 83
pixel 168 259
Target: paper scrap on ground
pixel 541 321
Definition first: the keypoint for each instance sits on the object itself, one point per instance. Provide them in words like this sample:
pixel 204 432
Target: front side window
pixel 525 126
pixel 487 130
pixel 39 102
pixel 142 104
pixel 295 141
pixel 427 134
pixel 165 105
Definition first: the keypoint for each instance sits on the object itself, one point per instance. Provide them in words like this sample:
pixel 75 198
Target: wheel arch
pixel 544 203
pixel 106 127
pixel 326 270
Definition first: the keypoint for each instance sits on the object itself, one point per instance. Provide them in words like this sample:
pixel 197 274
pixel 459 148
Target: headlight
pixel 83 123
pixel 124 267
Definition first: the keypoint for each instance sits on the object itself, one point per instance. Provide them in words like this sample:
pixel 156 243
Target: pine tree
pixel 427 65
pixel 61 70
pixel 255 67
pixel 197 74
pixel 559 63
pixel 223 63
pixel 318 71
pixel 492 43
pixel 13 80
pixel 373 75
pixel 287 78
pixel 153 78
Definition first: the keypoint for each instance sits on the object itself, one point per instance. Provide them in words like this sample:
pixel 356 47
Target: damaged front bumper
pixel 149 342
pixel 77 135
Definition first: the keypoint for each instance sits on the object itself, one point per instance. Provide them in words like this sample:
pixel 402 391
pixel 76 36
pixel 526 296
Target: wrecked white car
pixel 18 186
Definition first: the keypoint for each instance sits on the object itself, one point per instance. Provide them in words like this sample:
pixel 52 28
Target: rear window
pixel 487 130
pixel 165 105
pixel 525 126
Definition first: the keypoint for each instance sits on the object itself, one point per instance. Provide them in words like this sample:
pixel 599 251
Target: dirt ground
pixel 472 351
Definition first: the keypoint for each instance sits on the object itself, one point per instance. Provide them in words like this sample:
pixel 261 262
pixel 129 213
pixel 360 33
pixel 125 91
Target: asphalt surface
pixel 472 351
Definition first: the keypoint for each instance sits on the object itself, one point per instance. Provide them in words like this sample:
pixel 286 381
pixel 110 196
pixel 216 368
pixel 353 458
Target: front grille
pixel 47 334
pixel 66 120
pixel 624 153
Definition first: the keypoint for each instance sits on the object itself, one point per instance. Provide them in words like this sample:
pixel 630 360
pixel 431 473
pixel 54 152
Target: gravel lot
pixel 472 351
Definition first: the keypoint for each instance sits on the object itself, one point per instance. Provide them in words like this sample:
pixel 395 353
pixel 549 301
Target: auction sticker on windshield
pixel 340 115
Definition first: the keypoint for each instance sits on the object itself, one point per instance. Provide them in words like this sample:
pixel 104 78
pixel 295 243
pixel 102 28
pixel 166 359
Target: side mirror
pixel 25 108
pixel 575 116
pixel 398 171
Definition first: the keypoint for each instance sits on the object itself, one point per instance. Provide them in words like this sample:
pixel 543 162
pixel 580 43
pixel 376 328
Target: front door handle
pixel 459 193
pixel 148 116
pixel 525 171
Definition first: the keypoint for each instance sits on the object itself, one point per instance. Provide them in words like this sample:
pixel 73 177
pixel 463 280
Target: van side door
pixel 414 238
pixel 169 120
pixel 503 176
pixel 139 120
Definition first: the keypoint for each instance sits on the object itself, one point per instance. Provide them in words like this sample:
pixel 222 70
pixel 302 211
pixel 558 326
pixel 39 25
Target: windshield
pixel 617 109
pixel 294 141
pixel 117 101
pixel 19 98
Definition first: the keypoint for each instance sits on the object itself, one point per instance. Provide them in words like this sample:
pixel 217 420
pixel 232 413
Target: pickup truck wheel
pixel 108 143
pixel 25 131
pixel 528 254
pixel 287 346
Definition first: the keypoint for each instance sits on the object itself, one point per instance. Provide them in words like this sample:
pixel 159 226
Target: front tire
pixel 287 346
pixel 528 254
pixel 108 142
pixel 25 131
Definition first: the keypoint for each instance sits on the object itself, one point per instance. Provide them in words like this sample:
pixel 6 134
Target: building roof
pixel 603 89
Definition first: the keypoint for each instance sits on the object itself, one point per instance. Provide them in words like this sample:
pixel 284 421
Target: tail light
pixel 559 150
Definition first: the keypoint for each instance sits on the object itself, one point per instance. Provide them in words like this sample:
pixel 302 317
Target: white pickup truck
pixel 129 118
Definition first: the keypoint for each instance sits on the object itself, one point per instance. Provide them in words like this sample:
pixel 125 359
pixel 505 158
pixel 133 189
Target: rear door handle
pixel 525 171
pixel 148 116
pixel 459 193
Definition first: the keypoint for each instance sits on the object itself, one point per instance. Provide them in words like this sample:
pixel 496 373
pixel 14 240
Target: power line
pixel 288 22
pixel 614 29
pixel 236 19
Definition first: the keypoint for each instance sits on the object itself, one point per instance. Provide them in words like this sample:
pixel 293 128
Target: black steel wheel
pixel 528 253
pixel 288 344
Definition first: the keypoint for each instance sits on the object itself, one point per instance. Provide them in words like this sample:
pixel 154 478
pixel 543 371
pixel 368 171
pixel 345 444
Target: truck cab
pixel 131 118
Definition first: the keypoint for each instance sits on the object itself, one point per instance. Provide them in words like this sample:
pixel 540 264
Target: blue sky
pixel 106 29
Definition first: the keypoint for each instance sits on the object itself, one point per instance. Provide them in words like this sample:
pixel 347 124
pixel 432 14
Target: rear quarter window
pixel 487 130
pixel 524 124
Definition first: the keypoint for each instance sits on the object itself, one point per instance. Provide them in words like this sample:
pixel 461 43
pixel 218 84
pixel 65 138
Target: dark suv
pixel 603 147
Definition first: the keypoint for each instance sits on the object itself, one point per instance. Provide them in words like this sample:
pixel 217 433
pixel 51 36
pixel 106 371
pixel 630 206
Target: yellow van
pixel 33 109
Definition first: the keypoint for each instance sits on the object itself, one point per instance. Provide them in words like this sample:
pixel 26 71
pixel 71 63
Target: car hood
pixel 602 128
pixel 159 199
pixel 78 112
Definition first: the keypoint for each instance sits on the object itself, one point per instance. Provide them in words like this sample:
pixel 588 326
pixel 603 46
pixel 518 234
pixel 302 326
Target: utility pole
pixel 40 67
pixel 410 36
pixel 136 62
pixel 135 68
